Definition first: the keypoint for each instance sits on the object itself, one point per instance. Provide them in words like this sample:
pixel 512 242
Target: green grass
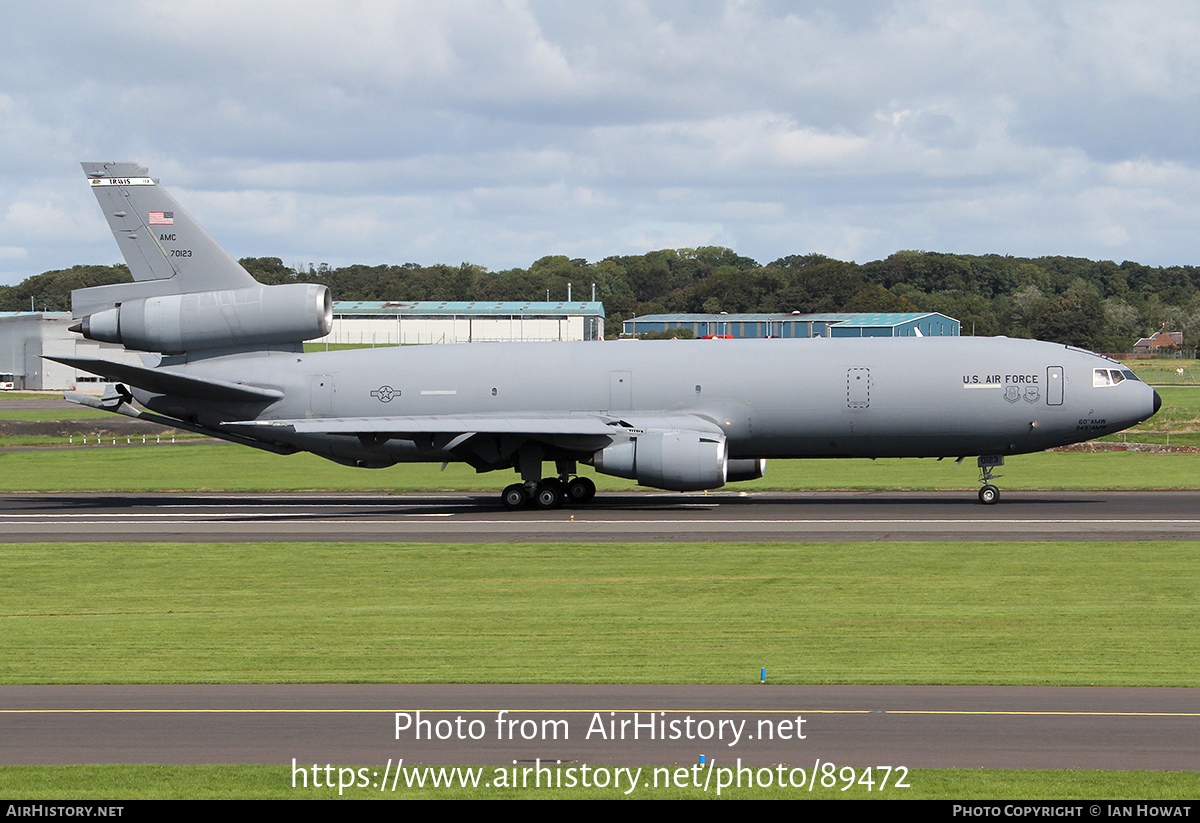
pixel 1163 371
pixel 226 467
pixel 954 613
pixel 275 783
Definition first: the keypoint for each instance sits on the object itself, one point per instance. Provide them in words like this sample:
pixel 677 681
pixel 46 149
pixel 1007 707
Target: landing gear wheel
pixel 988 495
pixel 514 497
pixel 548 496
pixel 580 490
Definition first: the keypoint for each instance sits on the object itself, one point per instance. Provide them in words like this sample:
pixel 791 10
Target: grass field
pixel 991 613
pixel 226 467
pixel 952 613
pixel 275 783
pixel 1165 371
pixel 1178 421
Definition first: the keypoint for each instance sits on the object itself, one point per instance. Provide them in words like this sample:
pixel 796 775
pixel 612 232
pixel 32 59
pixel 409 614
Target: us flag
pixel 162 218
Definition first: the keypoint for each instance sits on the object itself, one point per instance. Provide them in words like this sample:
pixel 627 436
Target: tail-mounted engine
pixel 175 323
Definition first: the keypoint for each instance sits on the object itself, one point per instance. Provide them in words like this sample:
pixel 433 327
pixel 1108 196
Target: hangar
pixel 27 336
pixel 840 324
pixel 390 323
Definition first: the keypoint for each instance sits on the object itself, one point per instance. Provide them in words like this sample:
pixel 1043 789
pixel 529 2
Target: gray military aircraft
pixel 223 356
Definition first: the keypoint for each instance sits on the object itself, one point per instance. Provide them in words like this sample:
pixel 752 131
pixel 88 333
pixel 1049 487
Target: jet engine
pixel 228 318
pixel 746 469
pixel 678 460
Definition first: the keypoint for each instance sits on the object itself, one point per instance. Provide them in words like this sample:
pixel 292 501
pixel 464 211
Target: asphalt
pixel 765 516
pixel 882 726
pixel 356 725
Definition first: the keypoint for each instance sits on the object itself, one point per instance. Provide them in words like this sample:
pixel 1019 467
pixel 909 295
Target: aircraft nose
pixel 1157 404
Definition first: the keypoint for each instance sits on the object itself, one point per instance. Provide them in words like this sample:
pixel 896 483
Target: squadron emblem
pixel 1012 393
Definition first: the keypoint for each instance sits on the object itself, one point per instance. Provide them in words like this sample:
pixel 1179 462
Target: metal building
pixel 841 324
pixel 381 323
pixel 25 337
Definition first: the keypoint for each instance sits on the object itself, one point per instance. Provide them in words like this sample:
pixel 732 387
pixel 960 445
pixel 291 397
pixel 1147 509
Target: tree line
pixel 1100 305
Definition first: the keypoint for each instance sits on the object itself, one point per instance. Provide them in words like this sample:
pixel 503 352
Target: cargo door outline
pixel 321 397
pixel 620 390
pixel 858 388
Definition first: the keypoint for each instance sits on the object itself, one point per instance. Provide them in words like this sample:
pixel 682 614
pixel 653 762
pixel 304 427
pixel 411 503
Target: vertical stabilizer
pixel 188 294
pixel 160 241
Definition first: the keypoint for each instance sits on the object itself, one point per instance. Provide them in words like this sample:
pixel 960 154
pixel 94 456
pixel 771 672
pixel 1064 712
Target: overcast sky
pixel 499 132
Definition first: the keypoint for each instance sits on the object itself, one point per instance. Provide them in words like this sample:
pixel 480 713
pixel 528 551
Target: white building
pixel 377 323
pixel 25 337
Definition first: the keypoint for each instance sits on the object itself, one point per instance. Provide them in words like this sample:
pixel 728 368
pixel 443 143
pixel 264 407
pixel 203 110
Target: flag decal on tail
pixel 162 218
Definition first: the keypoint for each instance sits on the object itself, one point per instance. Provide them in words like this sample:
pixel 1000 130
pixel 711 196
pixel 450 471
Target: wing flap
pixel 447 424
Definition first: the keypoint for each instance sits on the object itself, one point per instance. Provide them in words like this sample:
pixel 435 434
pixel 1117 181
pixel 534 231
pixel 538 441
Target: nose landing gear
pixel 989 495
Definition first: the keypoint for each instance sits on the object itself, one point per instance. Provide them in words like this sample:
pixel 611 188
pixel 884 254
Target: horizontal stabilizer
pixel 164 381
pixel 116 399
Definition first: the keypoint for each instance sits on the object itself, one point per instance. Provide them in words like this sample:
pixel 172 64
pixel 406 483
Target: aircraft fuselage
pixel 857 397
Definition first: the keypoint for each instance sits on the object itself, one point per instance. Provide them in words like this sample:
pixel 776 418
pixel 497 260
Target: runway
pixel 910 727
pixel 896 726
pixel 723 516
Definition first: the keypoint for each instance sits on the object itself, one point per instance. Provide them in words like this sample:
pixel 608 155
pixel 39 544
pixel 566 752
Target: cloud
pixel 498 132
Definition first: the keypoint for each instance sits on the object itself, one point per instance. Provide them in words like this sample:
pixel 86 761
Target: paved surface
pixel 911 726
pixel 767 516
pixel 915 727
pixel 50 401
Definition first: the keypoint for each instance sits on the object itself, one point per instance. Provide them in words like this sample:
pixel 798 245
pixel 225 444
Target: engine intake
pixel 176 323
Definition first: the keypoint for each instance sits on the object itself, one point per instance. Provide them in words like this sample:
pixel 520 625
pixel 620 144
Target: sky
pixel 499 132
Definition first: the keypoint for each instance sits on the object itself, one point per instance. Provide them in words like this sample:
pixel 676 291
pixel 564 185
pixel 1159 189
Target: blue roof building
pixel 836 324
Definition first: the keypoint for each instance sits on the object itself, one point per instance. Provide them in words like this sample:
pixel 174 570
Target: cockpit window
pixel 1111 377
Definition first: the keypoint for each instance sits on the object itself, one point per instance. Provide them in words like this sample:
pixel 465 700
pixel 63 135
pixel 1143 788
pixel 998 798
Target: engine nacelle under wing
pixel 751 468
pixel 677 460
pixel 174 323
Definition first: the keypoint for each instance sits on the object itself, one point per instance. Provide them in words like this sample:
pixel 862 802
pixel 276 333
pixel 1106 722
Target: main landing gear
pixel 989 495
pixel 545 492
pixel 549 493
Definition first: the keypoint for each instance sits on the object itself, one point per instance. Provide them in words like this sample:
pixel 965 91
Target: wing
pixel 488 441
pixel 543 424
pixel 580 424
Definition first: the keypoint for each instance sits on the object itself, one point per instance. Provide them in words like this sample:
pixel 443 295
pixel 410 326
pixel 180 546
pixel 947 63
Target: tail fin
pixel 188 294
pixel 167 251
